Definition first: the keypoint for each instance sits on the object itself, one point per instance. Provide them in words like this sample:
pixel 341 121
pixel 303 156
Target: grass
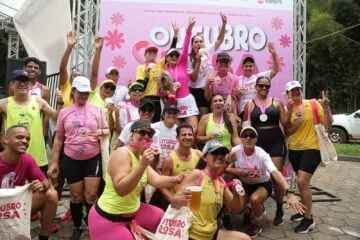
pixel 348 149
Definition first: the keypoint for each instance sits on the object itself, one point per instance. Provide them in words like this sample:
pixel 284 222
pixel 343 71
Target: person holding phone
pixel 304 149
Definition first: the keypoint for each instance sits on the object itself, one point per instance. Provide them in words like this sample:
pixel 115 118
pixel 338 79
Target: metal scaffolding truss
pixel 85 21
pixel 6 24
pixel 300 42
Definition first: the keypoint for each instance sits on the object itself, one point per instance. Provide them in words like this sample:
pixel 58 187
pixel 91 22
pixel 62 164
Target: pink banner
pixel 129 26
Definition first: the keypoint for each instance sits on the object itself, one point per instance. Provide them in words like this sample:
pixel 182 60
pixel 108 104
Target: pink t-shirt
pixel 75 122
pixel 179 72
pixel 226 84
pixel 14 175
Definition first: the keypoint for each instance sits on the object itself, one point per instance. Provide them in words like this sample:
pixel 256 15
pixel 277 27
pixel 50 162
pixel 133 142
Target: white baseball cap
pixel 110 69
pixel 291 85
pixel 248 127
pixel 82 84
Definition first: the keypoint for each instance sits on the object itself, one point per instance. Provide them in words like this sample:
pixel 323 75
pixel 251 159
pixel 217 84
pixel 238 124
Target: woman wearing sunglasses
pixel 215 194
pixel 176 64
pixel 127 173
pixel 200 65
pixel 78 128
pixel 304 149
pixel 218 125
pixel 254 168
pixel 266 114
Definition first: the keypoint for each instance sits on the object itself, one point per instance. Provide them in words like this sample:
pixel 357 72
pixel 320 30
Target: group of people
pixel 181 123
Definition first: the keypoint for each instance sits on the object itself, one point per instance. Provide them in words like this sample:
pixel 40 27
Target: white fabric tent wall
pixel 42 26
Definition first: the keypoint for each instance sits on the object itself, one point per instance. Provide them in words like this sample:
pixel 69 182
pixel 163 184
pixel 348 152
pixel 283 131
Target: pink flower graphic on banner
pixel 119 61
pixel 285 41
pixel 114 39
pixel 117 18
pixel 277 23
pixel 270 63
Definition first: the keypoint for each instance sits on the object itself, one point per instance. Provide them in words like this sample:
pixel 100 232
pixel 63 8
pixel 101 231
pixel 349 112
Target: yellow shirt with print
pixel 66 92
pixel 152 86
pixel 305 136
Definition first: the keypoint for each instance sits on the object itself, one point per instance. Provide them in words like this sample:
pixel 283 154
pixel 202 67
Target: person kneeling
pixel 253 166
pixel 17 166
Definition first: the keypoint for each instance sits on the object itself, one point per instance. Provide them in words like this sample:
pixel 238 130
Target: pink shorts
pixel 100 228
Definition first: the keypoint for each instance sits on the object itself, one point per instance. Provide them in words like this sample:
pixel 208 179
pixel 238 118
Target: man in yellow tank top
pixel 182 160
pixel 23 109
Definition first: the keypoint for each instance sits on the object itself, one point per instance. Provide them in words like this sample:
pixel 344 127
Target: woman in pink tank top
pixel 176 64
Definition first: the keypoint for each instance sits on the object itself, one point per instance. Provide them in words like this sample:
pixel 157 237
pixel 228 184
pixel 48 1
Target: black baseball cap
pixel 146 101
pixel 223 56
pixel 20 75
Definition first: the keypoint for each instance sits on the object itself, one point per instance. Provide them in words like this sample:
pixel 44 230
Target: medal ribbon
pixel 247 162
pixel 262 107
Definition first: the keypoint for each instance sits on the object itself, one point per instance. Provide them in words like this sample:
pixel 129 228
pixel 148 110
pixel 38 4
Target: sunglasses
pixel 174 55
pixel 144 132
pixel 136 90
pixel 111 87
pixel 267 86
pixel 250 135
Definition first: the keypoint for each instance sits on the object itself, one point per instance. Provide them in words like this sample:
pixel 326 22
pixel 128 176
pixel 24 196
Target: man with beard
pixel 182 160
pixel 17 166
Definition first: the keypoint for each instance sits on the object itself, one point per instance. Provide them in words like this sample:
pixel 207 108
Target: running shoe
pixel 279 217
pixel 76 234
pixel 305 225
pixel 297 217
pixel 254 230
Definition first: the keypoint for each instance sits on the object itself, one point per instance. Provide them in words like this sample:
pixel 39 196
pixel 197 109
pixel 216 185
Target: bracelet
pixel 289 191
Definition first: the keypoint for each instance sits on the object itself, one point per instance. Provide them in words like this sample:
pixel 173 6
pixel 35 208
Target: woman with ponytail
pixel 219 125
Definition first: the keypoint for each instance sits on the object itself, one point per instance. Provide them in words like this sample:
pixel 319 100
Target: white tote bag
pixel 15 211
pixel 175 224
pixel 104 148
pixel 327 149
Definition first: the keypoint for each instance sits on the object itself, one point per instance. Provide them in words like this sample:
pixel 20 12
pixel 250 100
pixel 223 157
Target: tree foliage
pixel 333 62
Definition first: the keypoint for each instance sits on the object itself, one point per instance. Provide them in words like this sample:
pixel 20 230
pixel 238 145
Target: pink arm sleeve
pixel 185 51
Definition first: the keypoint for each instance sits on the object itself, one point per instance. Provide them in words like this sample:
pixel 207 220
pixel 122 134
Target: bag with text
pixel 175 224
pixel 15 211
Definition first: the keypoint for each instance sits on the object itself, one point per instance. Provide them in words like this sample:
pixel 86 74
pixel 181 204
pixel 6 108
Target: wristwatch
pixel 289 191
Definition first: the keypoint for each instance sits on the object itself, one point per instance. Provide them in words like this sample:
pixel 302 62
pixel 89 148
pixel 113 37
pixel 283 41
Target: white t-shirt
pixel 249 84
pixel 165 138
pixel 126 133
pixel 260 159
pixel 121 94
pixel 206 67
pixel 128 110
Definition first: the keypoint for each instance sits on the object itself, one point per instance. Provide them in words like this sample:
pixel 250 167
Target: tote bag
pixel 104 148
pixel 327 149
pixel 15 212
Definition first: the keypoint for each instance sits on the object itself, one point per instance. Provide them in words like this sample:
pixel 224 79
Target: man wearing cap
pixel 66 81
pixel 254 167
pixel 146 113
pixel 248 73
pixel 17 167
pixel 121 92
pixel 24 109
pixel 304 149
pixel 148 74
pixel 223 82
pixel 183 159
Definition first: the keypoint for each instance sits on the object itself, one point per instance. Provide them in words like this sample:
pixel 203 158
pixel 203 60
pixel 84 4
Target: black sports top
pixel 272 113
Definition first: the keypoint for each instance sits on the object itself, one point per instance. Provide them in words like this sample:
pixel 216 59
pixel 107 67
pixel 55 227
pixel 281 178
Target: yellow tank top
pixel 29 116
pixel 181 167
pixel 224 138
pixel 112 203
pixel 66 92
pixel 205 222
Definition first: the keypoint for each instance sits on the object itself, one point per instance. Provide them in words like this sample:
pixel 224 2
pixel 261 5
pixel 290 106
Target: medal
pixel 263 117
pixel 82 132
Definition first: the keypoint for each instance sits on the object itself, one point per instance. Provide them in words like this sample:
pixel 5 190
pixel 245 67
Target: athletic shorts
pixel 76 170
pixel 199 95
pixel 305 160
pixel 272 141
pixel 44 169
pixel 251 188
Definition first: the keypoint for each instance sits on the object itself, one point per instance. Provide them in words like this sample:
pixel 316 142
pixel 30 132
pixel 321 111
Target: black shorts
pixel 272 141
pixel 44 169
pixel 76 170
pixel 199 95
pixel 306 160
pixel 251 188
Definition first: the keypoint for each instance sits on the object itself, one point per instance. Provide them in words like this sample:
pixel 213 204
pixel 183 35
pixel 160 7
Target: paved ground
pixel 334 220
